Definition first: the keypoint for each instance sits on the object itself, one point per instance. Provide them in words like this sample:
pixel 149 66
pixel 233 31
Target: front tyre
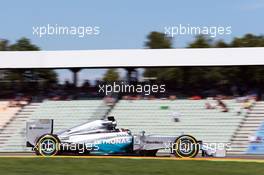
pixel 186 146
pixel 47 145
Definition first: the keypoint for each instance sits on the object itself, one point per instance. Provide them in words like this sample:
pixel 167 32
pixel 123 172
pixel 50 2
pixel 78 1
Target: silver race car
pixel 101 137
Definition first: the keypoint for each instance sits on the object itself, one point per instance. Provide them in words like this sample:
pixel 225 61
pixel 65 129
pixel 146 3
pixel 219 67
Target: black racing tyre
pixel 186 146
pixel 148 153
pixel 47 145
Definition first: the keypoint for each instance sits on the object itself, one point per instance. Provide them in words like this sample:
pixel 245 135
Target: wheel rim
pixel 186 146
pixel 48 146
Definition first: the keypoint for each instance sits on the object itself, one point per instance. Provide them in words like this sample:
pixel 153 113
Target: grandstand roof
pixel 132 58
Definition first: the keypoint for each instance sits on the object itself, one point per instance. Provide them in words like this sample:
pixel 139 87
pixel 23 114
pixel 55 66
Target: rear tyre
pixel 186 146
pixel 47 145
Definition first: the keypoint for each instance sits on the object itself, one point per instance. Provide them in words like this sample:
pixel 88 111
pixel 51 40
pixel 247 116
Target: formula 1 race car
pixel 101 137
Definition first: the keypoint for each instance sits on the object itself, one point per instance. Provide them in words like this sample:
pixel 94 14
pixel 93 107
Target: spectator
pixel 176 116
pixel 209 104
pixel 222 105
pixel 196 97
pixel 248 104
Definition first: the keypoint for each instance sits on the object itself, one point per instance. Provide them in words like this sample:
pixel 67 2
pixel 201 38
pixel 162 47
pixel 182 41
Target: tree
pixel 201 41
pixel 155 40
pixel 111 76
pixel 220 44
pixel 158 40
pixel 27 80
pixel 213 80
pixel 3 45
pixel 23 44
pixel 248 40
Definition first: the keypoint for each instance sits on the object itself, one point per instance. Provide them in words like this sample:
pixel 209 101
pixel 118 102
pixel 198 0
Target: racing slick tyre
pixel 47 145
pixel 186 146
pixel 148 153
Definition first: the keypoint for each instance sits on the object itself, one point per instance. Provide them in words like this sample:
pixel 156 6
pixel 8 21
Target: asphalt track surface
pixel 230 158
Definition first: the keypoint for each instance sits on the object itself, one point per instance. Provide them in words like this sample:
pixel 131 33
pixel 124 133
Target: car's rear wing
pixel 37 128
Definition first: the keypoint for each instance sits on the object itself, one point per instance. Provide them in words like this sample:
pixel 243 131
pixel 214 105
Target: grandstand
pixel 65 114
pixel 6 113
pixel 247 129
pixel 211 126
pixel 152 116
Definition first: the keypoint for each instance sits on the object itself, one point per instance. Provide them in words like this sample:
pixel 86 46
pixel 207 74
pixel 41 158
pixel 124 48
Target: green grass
pixel 71 166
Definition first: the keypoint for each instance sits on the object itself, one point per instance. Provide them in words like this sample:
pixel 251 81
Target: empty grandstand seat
pixel 150 116
pixel 66 114
pixel 6 113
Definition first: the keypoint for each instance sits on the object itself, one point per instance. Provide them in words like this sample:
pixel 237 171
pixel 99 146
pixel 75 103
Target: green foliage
pixel 249 40
pixel 195 80
pixel 158 40
pixel 111 75
pixel 3 45
pixel 220 44
pixel 23 44
pixel 26 80
pixel 201 41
